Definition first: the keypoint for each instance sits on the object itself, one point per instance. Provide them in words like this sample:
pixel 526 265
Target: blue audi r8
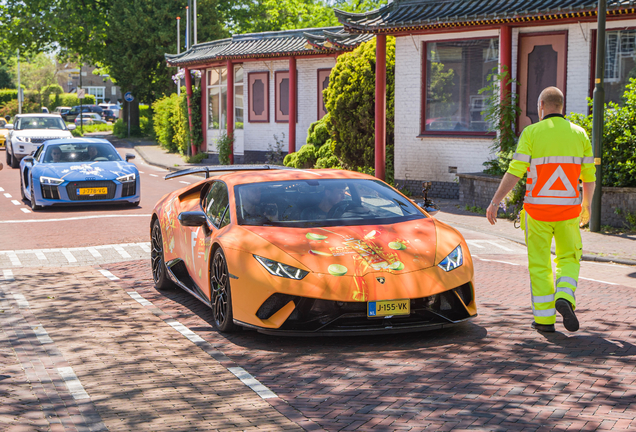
pixel 78 171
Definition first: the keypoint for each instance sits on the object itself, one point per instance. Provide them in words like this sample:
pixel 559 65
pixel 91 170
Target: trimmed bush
pixel 69 100
pixel 7 95
pixel 170 122
pixel 350 100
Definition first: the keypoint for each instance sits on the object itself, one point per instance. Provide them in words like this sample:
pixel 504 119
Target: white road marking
pixel 16 202
pixel 40 255
pixel 136 296
pixel 141 172
pixel 144 247
pixel 94 252
pixel 42 335
pixel 8 275
pixel 472 243
pixel 595 280
pixel 490 242
pixel 1 189
pixel 74 218
pixel 73 383
pixel 184 182
pixel 503 262
pixel 154 175
pixel 121 251
pixel 14 258
pixel 109 275
pixel 22 301
pixel 252 382
pixel 25 210
pixel 68 255
pixel 8 195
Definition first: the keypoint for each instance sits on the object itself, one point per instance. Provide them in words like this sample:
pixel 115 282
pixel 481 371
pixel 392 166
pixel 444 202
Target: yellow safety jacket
pixel 555 153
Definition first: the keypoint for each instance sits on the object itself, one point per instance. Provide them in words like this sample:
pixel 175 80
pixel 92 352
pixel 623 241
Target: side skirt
pixel 177 266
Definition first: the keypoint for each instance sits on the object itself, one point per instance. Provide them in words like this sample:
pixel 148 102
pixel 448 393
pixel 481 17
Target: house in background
pixel 100 86
pixel 257 98
pixel 445 51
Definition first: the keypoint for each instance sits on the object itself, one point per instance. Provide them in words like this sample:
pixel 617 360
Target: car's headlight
pixel 452 260
pixel 23 139
pixel 280 269
pixel 126 178
pixel 50 181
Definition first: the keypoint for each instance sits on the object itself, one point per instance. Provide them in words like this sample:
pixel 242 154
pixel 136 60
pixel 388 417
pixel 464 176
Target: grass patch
pixel 197 158
pixel 475 209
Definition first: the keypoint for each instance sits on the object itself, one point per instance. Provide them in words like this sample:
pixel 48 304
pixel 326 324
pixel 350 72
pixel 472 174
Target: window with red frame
pixel 454 72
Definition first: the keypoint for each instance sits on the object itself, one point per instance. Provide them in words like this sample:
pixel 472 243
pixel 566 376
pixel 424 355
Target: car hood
pixel 80 171
pixel 46 133
pixel 357 250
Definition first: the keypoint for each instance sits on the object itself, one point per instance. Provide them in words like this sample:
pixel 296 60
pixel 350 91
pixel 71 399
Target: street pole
pixel 81 113
pixel 128 119
pixel 19 88
pixel 194 18
pixel 187 28
pixel 178 52
pixel 597 118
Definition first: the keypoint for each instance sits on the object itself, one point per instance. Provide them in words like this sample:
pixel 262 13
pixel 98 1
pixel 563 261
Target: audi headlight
pixel 280 269
pixel 126 178
pixel 452 260
pixel 50 181
pixel 23 139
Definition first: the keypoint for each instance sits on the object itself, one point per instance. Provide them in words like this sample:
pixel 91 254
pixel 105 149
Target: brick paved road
pixel 491 374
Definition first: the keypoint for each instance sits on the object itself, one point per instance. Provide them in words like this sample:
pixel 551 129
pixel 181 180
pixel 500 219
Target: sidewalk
pixel 616 248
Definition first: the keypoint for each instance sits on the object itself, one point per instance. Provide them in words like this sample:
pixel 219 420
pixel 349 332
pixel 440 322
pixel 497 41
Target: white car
pixel 113 107
pixel 29 131
pixel 89 119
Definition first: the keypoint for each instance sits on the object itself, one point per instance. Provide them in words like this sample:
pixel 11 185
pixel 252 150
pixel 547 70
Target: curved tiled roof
pixel 305 42
pixel 425 14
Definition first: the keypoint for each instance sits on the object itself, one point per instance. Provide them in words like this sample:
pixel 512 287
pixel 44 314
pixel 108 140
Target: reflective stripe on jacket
pixel 552 192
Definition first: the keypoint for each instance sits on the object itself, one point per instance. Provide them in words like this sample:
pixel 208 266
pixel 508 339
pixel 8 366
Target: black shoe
pixel 546 328
pixel 570 322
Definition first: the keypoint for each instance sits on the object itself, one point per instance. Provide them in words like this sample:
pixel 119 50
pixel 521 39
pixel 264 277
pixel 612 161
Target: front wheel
pixel 159 270
pixel 221 300
pixel 34 205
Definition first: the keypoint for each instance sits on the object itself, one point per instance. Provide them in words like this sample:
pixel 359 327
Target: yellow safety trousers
pixel 567 238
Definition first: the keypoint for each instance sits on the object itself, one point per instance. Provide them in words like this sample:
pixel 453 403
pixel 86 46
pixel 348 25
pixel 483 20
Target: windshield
pixel 24 123
pixel 310 203
pixel 64 153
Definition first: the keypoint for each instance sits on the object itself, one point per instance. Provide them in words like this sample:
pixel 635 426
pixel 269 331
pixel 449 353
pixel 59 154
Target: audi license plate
pixel 92 191
pixel 388 308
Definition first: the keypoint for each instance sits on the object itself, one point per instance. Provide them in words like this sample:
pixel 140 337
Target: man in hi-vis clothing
pixel 555 154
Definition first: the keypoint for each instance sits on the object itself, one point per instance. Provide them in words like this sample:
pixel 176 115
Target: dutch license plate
pixel 388 308
pixel 92 191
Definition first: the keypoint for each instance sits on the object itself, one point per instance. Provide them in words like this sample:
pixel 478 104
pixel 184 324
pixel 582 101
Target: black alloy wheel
pixel 159 270
pixel 221 300
pixel 34 205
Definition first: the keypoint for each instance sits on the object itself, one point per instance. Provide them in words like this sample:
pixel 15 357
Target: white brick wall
pixel 259 135
pixel 428 158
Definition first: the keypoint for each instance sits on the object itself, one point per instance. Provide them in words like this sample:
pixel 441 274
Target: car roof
pixel 37 115
pixel 260 176
pixel 78 141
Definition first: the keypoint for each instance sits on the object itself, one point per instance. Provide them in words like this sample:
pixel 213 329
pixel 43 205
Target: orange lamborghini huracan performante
pixel 310 252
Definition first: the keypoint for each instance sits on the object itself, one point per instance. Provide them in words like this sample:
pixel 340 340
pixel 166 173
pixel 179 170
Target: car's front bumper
pixel 66 194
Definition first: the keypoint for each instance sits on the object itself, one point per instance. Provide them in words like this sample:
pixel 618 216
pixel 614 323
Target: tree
pixel 350 100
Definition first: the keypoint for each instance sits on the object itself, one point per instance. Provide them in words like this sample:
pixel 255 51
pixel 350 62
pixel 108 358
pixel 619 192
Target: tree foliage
pixel 350 100
pixel 619 138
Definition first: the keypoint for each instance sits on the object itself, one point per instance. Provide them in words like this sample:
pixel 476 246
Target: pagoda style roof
pixel 304 42
pixel 407 15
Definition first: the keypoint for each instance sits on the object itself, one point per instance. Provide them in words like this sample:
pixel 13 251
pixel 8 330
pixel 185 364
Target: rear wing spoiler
pixel 224 169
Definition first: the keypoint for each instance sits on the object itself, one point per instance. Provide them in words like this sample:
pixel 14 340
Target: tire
pixel 8 156
pixel 22 187
pixel 15 163
pixel 221 301
pixel 157 261
pixel 34 205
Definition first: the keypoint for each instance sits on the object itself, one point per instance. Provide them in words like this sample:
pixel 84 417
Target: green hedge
pixel 170 121
pixel 7 94
pixel 68 99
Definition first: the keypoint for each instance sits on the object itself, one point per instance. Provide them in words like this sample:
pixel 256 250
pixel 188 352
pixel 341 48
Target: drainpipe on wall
pixel 380 106
pixel 292 104
pixel 188 81
pixel 230 107
pixel 597 118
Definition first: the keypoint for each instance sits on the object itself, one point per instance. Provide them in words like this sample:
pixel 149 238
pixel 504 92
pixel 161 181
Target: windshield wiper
pixel 403 205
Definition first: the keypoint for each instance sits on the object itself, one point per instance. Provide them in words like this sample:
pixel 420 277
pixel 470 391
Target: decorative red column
pixel 230 107
pixel 188 82
pixel 204 110
pixel 380 106
pixel 505 58
pixel 292 104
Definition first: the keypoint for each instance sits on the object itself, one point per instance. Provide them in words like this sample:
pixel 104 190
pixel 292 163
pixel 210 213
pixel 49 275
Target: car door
pixel 28 168
pixel 217 210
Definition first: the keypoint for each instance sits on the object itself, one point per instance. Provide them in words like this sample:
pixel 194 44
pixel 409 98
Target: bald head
pixel 550 102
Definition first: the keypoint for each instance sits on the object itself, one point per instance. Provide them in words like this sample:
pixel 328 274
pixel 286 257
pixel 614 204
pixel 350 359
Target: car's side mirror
pixel 9 126
pixel 129 156
pixel 192 218
pixel 28 159
pixel 71 127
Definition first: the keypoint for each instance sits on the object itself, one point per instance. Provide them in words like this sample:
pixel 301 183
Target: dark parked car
pixel 74 112
pixel 109 115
